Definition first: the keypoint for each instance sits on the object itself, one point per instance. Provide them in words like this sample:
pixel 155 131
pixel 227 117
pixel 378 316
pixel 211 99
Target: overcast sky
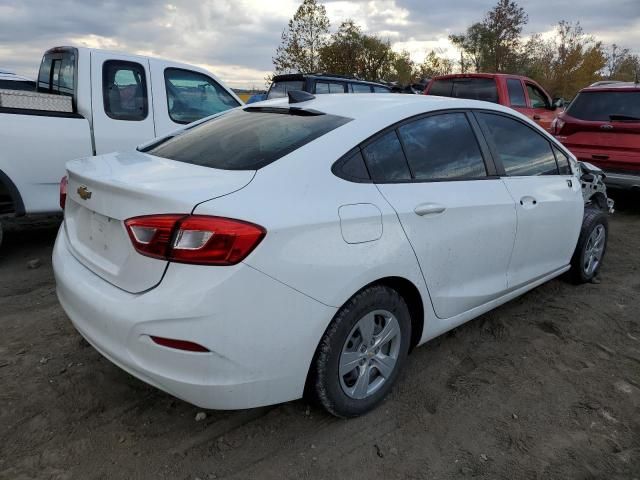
pixel 236 39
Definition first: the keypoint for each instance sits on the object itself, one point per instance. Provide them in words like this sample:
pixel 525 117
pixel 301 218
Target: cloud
pixel 237 39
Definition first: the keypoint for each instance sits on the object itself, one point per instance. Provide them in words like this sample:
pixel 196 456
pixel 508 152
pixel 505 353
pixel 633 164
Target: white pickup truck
pixel 88 102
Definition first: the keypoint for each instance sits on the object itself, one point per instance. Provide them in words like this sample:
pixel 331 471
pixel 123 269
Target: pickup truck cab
pixel 515 91
pixel 89 102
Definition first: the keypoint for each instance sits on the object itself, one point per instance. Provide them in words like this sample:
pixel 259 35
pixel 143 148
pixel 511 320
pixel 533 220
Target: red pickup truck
pixel 602 126
pixel 520 93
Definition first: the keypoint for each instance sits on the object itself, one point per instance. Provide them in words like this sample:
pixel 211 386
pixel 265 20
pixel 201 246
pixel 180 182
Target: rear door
pixel 122 105
pixel 458 216
pixel 539 107
pixel 548 198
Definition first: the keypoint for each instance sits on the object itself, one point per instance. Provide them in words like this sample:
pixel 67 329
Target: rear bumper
pixel 261 334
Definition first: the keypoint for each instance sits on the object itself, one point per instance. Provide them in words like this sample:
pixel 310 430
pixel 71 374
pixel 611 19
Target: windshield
pixel 246 139
pixel 606 106
pixel 280 89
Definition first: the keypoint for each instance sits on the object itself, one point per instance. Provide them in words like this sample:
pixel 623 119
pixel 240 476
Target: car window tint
pixel 246 139
pixel 537 98
pixel 359 88
pixel 523 151
pixel 564 166
pixel 601 106
pixel 516 93
pixel 354 168
pixel 124 90
pixel 282 88
pixel 329 87
pixel 442 88
pixel 442 147
pixel 192 96
pixel 377 89
pixel 484 89
pixel 385 159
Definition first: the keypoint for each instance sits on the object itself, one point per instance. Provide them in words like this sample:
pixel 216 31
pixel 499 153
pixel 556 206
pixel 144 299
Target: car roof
pixel 323 76
pixel 612 87
pixel 390 107
pixel 479 75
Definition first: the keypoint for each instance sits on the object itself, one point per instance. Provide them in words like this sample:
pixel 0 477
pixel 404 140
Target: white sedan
pixel 306 245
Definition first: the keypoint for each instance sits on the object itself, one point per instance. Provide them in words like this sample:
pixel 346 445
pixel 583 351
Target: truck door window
pixel 124 90
pixel 516 93
pixel 537 98
pixel 192 96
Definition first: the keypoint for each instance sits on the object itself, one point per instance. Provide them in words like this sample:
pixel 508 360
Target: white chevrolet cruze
pixel 308 244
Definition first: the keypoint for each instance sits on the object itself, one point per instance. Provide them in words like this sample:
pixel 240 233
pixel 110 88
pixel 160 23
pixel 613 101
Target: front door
pixel 547 197
pixel 540 106
pixel 459 219
pixel 122 103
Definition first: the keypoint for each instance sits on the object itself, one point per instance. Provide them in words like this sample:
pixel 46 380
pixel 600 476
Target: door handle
pixel 536 117
pixel 600 157
pixel 528 201
pixel 429 209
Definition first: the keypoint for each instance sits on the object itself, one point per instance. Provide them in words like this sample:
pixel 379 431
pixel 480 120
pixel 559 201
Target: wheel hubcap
pixel 594 250
pixel 369 355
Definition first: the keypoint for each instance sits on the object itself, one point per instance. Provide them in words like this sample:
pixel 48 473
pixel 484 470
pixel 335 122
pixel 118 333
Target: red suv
pixel 520 93
pixel 602 126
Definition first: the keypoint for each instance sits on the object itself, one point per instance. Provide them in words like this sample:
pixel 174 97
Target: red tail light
pixel 196 239
pixel 63 191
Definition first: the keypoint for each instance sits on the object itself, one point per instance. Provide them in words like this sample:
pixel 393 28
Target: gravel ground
pixel 545 387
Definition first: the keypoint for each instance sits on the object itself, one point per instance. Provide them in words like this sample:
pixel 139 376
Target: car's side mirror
pixel 558 103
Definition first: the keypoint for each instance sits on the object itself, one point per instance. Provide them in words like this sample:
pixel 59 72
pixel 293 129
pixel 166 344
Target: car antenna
pixel 298 96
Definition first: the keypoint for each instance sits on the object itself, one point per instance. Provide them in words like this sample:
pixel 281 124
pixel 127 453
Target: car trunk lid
pixel 105 191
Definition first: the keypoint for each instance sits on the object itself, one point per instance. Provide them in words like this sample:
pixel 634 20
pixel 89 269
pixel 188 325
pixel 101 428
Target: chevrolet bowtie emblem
pixel 84 192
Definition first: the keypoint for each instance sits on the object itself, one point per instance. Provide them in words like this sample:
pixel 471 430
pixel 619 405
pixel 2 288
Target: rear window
pixel 484 89
pixel 246 139
pixel 606 106
pixel 57 73
pixel 280 89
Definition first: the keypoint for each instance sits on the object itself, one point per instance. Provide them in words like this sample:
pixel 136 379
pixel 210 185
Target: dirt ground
pixel 545 387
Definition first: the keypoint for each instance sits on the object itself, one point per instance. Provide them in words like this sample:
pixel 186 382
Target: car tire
pixel 362 352
pixel 592 245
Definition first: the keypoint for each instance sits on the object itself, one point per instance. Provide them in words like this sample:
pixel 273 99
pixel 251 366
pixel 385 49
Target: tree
pixel 621 64
pixel 303 40
pixel 434 65
pixel 473 46
pixel 403 68
pixel 352 52
pixel 567 62
pixel 341 55
pixel 501 30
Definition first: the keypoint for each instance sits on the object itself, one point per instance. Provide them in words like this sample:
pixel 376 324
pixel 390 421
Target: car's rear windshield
pixel 606 106
pixel 280 89
pixel 472 88
pixel 246 139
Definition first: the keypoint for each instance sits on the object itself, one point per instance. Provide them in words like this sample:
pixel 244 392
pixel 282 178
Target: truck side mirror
pixel 558 102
